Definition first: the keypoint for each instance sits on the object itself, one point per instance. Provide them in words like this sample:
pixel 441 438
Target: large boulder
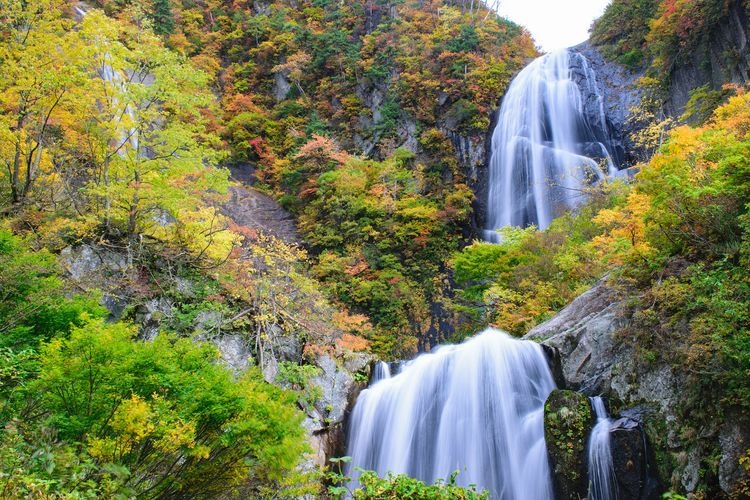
pixel 568 421
pixel 583 334
pixel 598 358
pixel 632 460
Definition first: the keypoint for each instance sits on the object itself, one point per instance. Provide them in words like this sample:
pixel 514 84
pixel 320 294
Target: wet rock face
pixel 568 420
pixel 633 465
pixel 619 91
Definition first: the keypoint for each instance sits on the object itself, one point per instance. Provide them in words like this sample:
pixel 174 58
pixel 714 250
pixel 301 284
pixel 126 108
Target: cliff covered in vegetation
pixel 147 302
pixel 692 48
pixel 165 332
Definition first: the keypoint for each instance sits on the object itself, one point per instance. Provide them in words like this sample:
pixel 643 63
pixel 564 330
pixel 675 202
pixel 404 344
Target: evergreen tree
pixel 162 17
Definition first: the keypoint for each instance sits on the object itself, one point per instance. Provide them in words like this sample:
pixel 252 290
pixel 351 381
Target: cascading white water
pixel 381 371
pixel 601 470
pixel 476 407
pixel 545 150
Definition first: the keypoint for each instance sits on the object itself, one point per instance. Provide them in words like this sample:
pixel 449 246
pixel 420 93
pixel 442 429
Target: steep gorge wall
pixel 724 59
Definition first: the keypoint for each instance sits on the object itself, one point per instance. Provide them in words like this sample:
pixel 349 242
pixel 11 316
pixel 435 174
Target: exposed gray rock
pixel 280 347
pixel 355 362
pixel 325 421
pixel 151 314
pixel 270 368
pixel 470 152
pixel 691 471
pixel 258 211
pixel 725 59
pixel 235 351
pixel 583 334
pixel 734 439
pixel 597 361
pixel 207 321
pixel 336 385
pixel 163 218
pixel 184 287
pixel 87 261
pixel 261 8
pixel 114 305
pixel 281 86
pixel 620 93
pixel 94 267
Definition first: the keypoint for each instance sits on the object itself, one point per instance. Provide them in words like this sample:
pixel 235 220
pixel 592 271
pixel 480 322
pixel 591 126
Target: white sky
pixel 555 24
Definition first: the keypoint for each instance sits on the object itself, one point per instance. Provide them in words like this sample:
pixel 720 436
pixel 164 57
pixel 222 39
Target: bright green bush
pixel 164 414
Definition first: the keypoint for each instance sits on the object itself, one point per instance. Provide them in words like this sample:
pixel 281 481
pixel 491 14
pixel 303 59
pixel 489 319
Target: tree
pixel 165 413
pixel 39 56
pixel 162 17
pixel 33 301
pixel 148 138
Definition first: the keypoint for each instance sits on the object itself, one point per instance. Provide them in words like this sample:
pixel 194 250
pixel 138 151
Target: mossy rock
pixel 568 421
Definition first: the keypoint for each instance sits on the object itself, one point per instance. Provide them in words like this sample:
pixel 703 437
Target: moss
pixel 568 420
pixel 666 462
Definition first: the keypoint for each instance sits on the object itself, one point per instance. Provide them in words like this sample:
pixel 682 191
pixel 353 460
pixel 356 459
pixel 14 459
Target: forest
pixel 130 130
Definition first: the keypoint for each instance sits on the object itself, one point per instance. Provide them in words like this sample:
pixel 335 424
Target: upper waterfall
pixel 550 142
pixel 476 408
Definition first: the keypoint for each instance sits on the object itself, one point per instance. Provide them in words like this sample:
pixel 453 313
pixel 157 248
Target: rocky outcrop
pixel 583 334
pixel 340 382
pixel 725 58
pixel 632 459
pixel 342 374
pixel 568 420
pixel 96 267
pixel 259 212
pixel 597 360
pixel 619 91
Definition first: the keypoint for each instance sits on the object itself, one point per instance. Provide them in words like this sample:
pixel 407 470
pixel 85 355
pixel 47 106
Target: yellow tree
pixel 624 239
pixel 39 55
pixel 147 134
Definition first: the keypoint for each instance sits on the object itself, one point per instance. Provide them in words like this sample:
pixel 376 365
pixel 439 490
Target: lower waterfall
pixel 601 470
pixel 476 408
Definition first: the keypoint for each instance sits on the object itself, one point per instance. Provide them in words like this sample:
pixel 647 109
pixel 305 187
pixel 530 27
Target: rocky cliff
pixel 597 358
pixel 339 372
pixel 725 58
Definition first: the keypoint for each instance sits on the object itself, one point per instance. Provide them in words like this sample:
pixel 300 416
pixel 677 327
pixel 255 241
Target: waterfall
pixel 476 408
pixel 601 470
pixel 549 144
pixel 381 371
